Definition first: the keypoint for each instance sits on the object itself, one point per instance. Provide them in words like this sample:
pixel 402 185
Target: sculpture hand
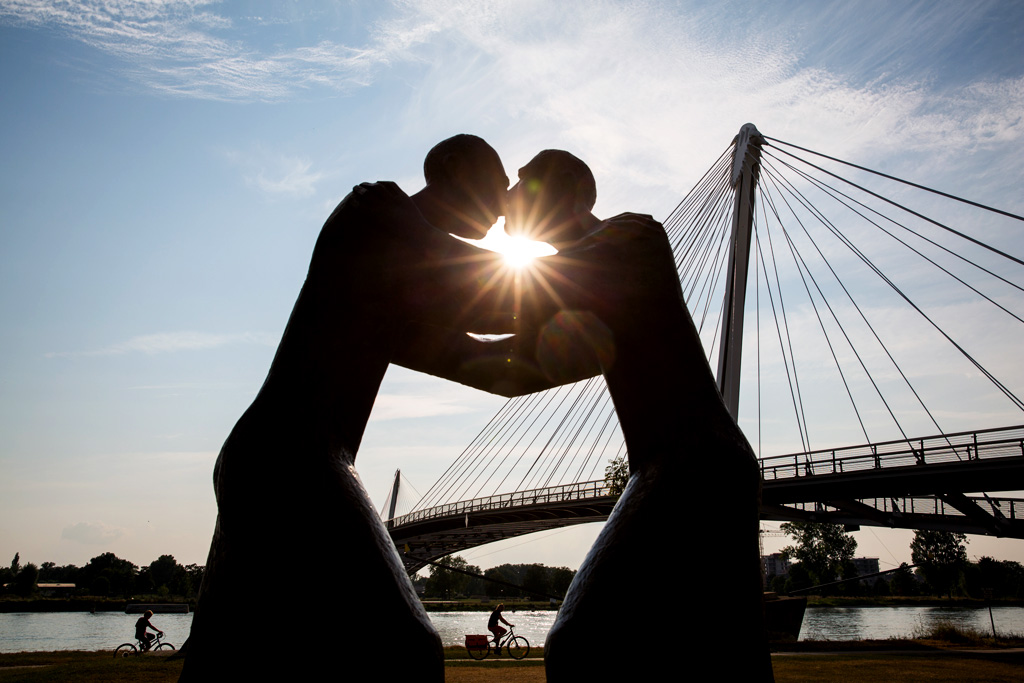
pixel 386 205
pixel 623 265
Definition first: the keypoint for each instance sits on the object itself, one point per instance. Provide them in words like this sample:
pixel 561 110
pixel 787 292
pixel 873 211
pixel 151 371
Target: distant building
pixel 774 565
pixel 865 566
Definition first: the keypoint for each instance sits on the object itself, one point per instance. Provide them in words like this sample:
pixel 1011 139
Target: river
pixel 44 631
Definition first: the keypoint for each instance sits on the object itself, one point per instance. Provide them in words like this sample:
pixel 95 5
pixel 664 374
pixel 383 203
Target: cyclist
pixel 145 639
pixel 494 627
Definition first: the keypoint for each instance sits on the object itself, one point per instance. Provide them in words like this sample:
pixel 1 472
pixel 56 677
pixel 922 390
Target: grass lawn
pixel 867 667
pixel 887 666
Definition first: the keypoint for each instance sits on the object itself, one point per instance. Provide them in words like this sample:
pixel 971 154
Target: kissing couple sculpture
pixel 388 283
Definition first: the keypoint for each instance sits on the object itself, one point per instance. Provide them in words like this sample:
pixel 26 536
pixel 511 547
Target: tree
pixel 16 564
pixel 616 474
pixel 107 573
pixel 824 550
pixel 445 583
pixel 560 578
pixel 903 582
pixel 1004 577
pixel 100 586
pixel 164 570
pixel 50 572
pixel 182 585
pixel 195 577
pixel 500 590
pixel 798 578
pixel 536 582
pixel 941 557
pixel 26 580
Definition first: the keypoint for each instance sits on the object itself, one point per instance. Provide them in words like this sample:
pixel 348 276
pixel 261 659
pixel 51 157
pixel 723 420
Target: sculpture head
pixel 466 185
pixel 553 199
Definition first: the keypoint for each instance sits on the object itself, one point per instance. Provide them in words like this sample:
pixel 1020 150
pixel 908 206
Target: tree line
pixel 106 575
pixel 823 553
pixel 537 581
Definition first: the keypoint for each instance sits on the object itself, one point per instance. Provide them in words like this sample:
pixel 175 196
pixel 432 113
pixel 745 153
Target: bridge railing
pixel 987 444
pixel 554 494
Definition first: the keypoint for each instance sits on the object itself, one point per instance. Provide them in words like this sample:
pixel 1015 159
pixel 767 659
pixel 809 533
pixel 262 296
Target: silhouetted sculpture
pixel 611 302
pixel 384 284
pixel 687 456
pixel 288 496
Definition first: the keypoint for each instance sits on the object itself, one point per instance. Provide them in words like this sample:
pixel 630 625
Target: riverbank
pixel 906 601
pixel 927 663
pixel 10 604
pixel 79 604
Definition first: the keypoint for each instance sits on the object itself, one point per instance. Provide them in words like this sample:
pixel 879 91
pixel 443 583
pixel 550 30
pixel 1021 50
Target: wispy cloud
pixel 169 342
pixel 292 177
pixel 187 48
pixel 92 533
pixel 411 406
pixel 283 175
pixel 624 83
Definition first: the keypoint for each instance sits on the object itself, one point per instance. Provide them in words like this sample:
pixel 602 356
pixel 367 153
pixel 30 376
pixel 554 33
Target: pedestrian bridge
pixel 881 484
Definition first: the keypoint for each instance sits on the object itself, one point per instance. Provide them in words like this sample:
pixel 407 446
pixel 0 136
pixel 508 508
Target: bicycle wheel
pixel 125 650
pixel 518 647
pixel 164 646
pixel 479 651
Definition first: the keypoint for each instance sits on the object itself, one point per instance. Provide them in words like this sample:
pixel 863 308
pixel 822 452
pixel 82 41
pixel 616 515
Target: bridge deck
pixel 915 484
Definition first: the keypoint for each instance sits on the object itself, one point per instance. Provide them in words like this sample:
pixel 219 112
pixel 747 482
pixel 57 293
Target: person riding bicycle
pixel 494 627
pixel 145 639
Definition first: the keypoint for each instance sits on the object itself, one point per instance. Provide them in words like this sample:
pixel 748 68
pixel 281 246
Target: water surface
pixel 39 631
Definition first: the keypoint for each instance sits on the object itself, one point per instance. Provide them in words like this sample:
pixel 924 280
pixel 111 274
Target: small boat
pixel 783 616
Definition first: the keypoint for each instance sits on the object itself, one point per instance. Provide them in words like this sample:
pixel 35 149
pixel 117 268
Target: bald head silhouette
pixel 466 186
pixel 553 199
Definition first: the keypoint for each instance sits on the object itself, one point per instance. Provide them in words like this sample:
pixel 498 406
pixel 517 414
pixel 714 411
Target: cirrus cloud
pixel 169 342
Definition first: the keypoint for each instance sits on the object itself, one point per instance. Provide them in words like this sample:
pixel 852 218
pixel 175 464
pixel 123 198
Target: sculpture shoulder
pixel 635 218
pixel 632 228
pixel 371 213
pixel 350 208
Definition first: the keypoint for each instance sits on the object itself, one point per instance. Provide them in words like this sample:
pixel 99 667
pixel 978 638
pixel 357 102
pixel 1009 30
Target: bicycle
pixel 516 646
pixel 137 648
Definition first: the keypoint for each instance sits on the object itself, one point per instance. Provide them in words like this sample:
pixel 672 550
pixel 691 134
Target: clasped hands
pixel 618 271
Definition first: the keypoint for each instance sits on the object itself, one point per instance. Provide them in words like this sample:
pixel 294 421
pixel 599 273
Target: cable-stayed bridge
pixel 859 318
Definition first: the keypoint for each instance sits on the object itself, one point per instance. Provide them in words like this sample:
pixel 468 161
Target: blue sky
pixel 167 165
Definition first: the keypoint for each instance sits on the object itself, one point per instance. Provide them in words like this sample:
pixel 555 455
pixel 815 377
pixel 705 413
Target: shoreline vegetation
pixel 86 603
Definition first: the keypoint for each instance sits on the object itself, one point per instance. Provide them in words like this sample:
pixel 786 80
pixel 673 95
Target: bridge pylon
pixel 746 168
pixel 394 499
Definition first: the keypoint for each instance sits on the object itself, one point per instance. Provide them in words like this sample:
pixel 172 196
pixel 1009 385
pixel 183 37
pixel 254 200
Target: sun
pixel 519 252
